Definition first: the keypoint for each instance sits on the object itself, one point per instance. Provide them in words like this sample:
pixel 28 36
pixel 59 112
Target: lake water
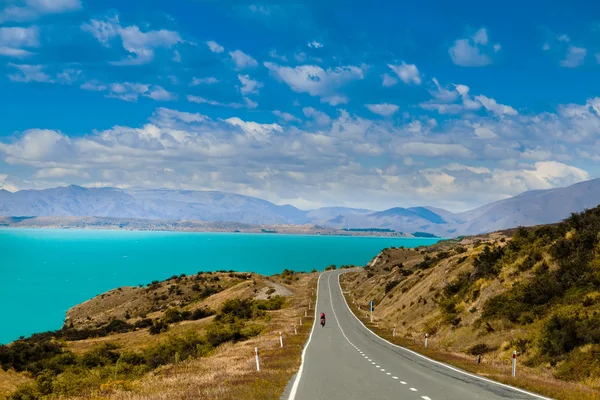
pixel 44 272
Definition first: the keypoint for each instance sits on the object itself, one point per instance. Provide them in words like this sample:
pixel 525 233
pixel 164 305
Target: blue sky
pixel 315 103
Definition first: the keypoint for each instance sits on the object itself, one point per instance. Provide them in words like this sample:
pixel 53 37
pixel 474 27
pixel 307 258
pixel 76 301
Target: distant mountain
pixel 527 209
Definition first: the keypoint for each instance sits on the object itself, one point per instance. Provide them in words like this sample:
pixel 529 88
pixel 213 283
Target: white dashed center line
pixel 363 354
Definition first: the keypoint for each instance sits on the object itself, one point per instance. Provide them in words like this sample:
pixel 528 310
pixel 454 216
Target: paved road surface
pixel 344 360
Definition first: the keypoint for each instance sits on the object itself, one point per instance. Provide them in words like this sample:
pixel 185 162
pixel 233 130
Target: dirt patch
pixel 272 289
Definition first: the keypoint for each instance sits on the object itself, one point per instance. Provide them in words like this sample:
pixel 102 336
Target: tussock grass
pixel 230 371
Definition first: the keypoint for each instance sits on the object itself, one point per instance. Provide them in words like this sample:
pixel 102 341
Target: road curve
pixel 345 360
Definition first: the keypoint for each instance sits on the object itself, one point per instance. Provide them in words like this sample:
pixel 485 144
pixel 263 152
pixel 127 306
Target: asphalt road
pixel 344 360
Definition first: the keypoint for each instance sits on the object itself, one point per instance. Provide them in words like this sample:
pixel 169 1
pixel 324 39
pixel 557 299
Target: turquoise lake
pixel 44 272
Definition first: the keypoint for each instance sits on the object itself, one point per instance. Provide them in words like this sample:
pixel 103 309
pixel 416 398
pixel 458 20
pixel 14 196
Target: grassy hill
pixel 533 290
pixel 185 337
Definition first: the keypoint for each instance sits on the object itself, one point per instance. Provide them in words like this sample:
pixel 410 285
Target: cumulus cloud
pixel 129 91
pixel 388 80
pixel 429 149
pixel 383 109
pixel 408 73
pixel 574 58
pixel 287 117
pixel 249 85
pixel 29 73
pixel 211 80
pixel 492 106
pixel 474 51
pixel 323 160
pixel 17 42
pixel 140 45
pixel 27 10
pixel 215 47
pixel 315 45
pixel 317 81
pixel 242 60
pixel 318 116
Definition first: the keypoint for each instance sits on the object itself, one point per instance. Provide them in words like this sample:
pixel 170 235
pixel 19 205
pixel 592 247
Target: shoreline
pixel 286 231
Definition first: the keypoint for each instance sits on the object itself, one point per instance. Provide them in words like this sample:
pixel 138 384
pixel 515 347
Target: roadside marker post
pixel 371 307
pixel 394 331
pixel 300 321
pixel 295 330
pixel 280 339
pixel 257 362
pixel 514 363
pixel 426 336
pixel 306 313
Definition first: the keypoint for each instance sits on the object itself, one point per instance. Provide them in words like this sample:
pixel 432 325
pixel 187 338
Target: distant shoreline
pixel 144 225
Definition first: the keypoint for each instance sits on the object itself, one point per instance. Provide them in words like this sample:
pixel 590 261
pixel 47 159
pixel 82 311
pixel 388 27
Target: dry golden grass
pixel 230 371
pixel 140 339
pixel 140 301
pixel 498 367
pixel 9 380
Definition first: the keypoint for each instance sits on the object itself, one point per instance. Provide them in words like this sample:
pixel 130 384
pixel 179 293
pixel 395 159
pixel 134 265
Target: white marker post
pixel 394 331
pixel 257 362
pixel 371 308
pixel 280 339
pixel 305 313
pixel 514 363
pixel 295 330
pixel 300 321
pixel 426 336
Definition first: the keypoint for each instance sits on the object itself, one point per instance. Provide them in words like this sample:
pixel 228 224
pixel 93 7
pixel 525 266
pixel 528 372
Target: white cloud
pixel 29 73
pixel 574 58
pixel 13 41
pixel 202 100
pixel 318 116
pixel 211 80
pixel 242 60
pixel 7 185
pixel 494 107
pixel 383 109
pixel 274 54
pixel 94 86
pixel 128 91
pixel 259 132
pixel 388 80
pixel 546 46
pixel 315 45
pixel 443 94
pixel 69 76
pixel 34 9
pixel 249 85
pixel 473 51
pixel 316 81
pixel 433 150
pixel 287 117
pixel 53 173
pixel 215 47
pixel 408 73
pixel 141 45
pixel 250 104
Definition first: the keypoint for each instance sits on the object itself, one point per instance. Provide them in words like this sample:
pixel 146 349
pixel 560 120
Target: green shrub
pixel 390 285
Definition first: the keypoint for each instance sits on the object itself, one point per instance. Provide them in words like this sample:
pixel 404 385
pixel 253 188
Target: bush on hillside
pixel 390 285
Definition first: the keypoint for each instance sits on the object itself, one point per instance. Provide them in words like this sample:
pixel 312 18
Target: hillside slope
pixel 131 341
pixel 534 290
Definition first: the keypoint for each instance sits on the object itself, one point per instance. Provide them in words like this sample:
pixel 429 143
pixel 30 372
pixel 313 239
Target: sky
pixel 377 104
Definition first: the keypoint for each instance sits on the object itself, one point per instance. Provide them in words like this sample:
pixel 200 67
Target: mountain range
pixel 527 209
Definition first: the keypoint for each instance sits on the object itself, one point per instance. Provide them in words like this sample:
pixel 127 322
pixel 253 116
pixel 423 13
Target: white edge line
pixel 434 361
pixel 299 374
